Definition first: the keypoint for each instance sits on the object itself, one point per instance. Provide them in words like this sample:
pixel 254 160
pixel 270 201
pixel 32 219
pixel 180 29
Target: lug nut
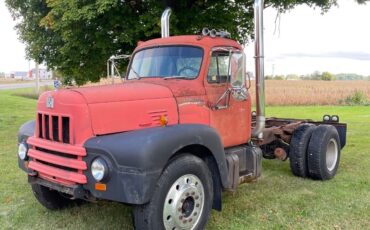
pixel 197 205
pixel 196 197
pixel 187 194
pixel 184 222
pixel 193 193
pixel 180 209
pixel 190 220
pixel 195 213
pixel 180 217
pixel 182 200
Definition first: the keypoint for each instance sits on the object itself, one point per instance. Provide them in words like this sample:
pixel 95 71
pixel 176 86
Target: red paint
pixel 58 147
pixel 138 104
pixel 58 173
pixel 57 160
pixel 56 180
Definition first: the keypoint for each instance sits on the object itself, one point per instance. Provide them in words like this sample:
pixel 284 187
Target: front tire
pixel 323 153
pixel 182 198
pixel 50 199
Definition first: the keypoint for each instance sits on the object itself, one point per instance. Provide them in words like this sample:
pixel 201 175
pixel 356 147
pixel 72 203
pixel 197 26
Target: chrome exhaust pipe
pixel 259 66
pixel 165 23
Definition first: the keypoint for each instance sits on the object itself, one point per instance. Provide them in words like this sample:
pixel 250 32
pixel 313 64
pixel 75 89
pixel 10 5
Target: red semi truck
pixel 169 140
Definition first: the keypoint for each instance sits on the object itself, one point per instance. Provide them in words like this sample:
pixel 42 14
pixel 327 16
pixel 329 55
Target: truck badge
pixel 50 102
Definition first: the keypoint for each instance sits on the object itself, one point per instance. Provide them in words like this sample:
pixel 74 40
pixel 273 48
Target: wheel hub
pixel 331 154
pixel 184 203
pixel 188 206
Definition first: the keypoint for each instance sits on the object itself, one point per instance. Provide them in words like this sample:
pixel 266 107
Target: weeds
pixel 356 98
pixel 33 94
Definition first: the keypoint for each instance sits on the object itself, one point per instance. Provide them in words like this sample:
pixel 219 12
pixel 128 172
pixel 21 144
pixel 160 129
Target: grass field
pixel 277 201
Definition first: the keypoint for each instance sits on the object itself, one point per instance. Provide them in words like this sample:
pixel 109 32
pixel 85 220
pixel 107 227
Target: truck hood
pixel 124 92
pixel 110 109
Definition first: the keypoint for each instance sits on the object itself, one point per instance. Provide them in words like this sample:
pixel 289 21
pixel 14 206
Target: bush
pixel 356 98
pixel 279 77
pixel 326 76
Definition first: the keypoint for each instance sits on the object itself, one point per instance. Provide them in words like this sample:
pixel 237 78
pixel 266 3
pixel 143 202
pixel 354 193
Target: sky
pixel 301 42
pixel 307 41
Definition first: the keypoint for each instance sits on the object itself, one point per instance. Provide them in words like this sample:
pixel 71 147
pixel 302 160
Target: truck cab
pixel 206 77
pixel 171 138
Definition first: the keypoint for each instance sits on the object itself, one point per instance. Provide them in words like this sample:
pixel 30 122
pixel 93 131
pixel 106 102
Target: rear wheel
pixel 298 149
pixel 182 198
pixel 323 153
pixel 51 199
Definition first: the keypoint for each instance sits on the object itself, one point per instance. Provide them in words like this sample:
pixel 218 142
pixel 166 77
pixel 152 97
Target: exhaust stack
pixel 259 66
pixel 165 23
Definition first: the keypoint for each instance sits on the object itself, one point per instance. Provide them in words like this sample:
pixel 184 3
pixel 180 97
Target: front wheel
pixel 182 198
pixel 51 199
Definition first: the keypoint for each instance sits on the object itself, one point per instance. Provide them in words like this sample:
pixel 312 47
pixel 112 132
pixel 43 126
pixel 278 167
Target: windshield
pixel 167 62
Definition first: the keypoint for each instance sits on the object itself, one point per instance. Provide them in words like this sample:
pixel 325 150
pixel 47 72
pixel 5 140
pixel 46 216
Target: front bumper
pixel 75 191
pixel 125 185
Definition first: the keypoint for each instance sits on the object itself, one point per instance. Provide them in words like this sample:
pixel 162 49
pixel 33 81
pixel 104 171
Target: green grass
pixel 277 200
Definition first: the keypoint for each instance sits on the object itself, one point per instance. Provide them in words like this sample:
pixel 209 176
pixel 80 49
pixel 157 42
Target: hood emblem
pixel 50 102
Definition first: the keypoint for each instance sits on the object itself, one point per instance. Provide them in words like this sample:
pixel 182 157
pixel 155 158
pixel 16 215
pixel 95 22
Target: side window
pixel 218 71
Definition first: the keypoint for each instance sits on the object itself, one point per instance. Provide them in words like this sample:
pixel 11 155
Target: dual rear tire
pixel 315 151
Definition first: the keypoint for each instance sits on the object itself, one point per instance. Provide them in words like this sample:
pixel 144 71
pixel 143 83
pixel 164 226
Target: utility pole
pixel 37 77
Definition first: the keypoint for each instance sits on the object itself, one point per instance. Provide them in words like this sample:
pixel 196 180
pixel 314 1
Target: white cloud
pixel 337 41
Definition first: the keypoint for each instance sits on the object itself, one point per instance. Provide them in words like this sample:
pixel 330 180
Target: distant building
pixel 19 74
pixel 30 75
pixel 44 74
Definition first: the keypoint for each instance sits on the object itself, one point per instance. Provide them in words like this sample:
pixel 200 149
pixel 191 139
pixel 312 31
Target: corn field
pixel 309 92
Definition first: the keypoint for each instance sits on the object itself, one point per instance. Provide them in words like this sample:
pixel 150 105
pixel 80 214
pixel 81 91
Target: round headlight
pixel 22 151
pixel 99 169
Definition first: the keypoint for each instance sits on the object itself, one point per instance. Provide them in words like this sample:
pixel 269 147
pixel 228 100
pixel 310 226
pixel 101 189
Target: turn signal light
pixel 101 187
pixel 163 120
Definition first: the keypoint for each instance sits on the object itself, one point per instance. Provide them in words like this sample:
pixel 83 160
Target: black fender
pixel 146 152
pixel 26 130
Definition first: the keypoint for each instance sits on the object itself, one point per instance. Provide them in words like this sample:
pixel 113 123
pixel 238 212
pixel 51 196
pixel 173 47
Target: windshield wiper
pixel 138 77
pixel 175 77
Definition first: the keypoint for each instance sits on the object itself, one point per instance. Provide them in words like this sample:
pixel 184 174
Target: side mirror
pixel 237 76
pixel 239 94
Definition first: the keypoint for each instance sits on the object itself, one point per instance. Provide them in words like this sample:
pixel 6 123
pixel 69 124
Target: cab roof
pixel 194 40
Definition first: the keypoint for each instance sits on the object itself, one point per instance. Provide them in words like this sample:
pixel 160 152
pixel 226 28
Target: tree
pixel 326 76
pixel 77 37
pixel 279 77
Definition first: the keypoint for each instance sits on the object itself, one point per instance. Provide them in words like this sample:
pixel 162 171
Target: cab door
pixel 228 99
